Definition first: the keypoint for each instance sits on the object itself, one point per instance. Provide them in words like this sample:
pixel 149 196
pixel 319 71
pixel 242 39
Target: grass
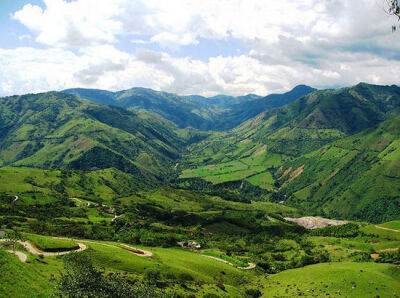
pixel 250 166
pixel 385 234
pixel 348 279
pixel 369 279
pixel 46 243
pixel 31 279
pixel 395 224
pixel 263 180
pixel 34 276
pixel 175 261
pixel 227 258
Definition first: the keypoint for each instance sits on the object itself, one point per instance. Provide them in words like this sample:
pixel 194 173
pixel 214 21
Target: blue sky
pixel 202 47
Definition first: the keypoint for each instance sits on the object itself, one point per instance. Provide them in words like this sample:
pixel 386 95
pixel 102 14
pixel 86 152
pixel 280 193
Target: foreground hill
pixel 57 130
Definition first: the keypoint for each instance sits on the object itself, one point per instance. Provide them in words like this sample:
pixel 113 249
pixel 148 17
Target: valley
pixel 293 194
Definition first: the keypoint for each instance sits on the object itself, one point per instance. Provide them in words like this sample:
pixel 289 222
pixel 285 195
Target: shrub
pixel 254 293
pixel 185 277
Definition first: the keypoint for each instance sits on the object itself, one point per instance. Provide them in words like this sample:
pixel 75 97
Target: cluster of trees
pixel 348 231
pixel 82 279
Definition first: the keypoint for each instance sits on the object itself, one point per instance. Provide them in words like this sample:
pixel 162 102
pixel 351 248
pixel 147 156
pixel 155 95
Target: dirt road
pixel 133 250
pixel 251 265
pixel 387 229
pixel 21 256
pixel 31 248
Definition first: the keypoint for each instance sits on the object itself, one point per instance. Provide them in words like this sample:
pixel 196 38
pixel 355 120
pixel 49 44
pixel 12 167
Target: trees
pixel 14 236
pixel 393 8
pixel 82 279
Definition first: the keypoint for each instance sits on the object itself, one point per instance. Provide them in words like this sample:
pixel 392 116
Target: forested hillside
pixel 56 130
pixel 273 140
pixel 220 112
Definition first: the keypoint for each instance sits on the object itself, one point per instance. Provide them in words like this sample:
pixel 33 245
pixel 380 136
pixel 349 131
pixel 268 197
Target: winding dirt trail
pixel 387 229
pixel 389 249
pixel 251 265
pixel 32 249
pixel 133 250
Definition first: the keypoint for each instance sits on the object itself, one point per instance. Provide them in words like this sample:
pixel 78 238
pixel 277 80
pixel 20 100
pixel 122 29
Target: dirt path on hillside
pixel 31 248
pixel 387 229
pixel 21 256
pixel 389 249
pixel 251 265
pixel 133 250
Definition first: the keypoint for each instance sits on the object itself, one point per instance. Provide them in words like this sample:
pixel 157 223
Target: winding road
pixel 32 249
pixel 133 250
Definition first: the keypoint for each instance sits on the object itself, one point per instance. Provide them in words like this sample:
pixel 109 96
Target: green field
pixel 395 225
pixel 335 279
pixel 50 244
pixel 390 235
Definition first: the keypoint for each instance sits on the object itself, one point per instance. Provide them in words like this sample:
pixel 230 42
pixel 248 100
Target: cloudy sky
pixel 203 47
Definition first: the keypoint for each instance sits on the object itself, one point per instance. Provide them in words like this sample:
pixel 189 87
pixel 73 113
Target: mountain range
pixel 220 112
pixel 333 152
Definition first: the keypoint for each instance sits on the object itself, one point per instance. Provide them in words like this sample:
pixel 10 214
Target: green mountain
pixel 180 110
pixel 271 155
pixel 247 109
pixel 220 112
pixel 223 101
pixel 275 139
pixel 355 177
pixel 311 121
pixel 179 212
pixel 58 130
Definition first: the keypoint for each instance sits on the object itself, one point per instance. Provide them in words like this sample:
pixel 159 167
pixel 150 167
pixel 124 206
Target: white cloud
pixel 320 43
pixel 77 23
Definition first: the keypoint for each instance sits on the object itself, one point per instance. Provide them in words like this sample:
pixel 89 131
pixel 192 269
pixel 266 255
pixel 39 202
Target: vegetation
pixel 153 202
pixel 51 244
pixel 82 279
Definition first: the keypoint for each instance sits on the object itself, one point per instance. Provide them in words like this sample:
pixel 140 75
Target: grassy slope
pixel 43 186
pixel 356 177
pixel 252 150
pixel 348 279
pixel 369 279
pixel 33 277
pixel 35 274
pixel 53 130
pixel 395 224
pixel 50 244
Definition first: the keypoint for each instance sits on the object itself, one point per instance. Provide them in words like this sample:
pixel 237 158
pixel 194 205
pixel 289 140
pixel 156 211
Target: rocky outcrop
pixel 310 222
